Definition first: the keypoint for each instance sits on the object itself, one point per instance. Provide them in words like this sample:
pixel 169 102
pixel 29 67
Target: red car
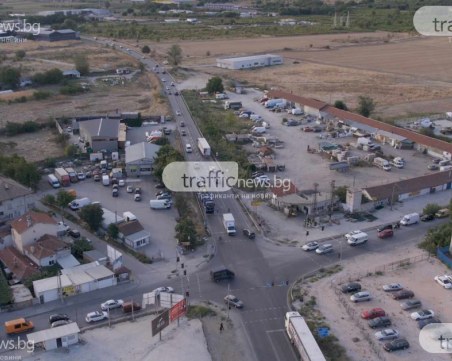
pixel 386 233
pixel 308 129
pixel 373 313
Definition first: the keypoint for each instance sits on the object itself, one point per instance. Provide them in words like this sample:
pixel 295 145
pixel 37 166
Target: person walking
pixel 221 327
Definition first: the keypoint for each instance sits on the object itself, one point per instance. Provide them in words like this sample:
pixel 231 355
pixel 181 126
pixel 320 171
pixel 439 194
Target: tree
pixel 107 4
pixel 10 76
pixel 52 76
pixel 341 193
pixel 20 54
pixel 215 85
pixel 186 232
pixel 63 198
pixel 166 155
pixel 79 246
pixel 339 104
pixel 431 209
pixel 366 105
pixel 92 214
pixel 145 49
pixel 174 55
pixel 113 230
pixel 81 64
pixel 71 150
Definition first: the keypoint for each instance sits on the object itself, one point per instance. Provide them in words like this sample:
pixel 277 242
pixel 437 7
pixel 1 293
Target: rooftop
pixel 128 228
pixel 20 225
pixel 21 266
pixel 53 333
pixel 10 189
pixel 101 127
pixel 283 190
pixel 45 246
pixel 140 151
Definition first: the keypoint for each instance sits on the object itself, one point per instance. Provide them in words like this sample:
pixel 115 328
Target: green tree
pixel 366 105
pixel 186 232
pixel 431 209
pixel 113 230
pixel 341 193
pixel 49 199
pixel 52 76
pixel 17 168
pixel 92 214
pixel 71 150
pixel 340 104
pixel 20 54
pixel 81 64
pixel 145 49
pixel 79 246
pixel 174 55
pixel 10 76
pixel 215 85
pixel 166 155
pixel 63 198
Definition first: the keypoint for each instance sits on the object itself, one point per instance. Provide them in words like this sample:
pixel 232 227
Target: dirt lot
pixel 354 333
pixel 391 68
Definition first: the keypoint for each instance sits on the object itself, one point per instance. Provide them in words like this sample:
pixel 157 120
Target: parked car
pixel 392 287
pixel 422 315
pixel 115 192
pixel 422 323
pixel 310 246
pixel 379 322
pixel 74 233
pixel 137 190
pixel 162 192
pixel 63 226
pixel 183 132
pixel 398 344
pixel 324 248
pixel 387 334
pixel 307 129
pixel 158 290
pixel 351 287
pixel 386 233
pixel 249 234
pixel 159 186
pixel 433 167
pixel 58 317
pixel 373 313
pixel 96 316
pixel 401 295
pixel 97 178
pixel 130 189
pixel 445 281
pixel 182 124
pixel 130 306
pixel 361 297
pixel 111 304
pixel 352 233
pixel 164 196
pixel 233 301
pixel 388 226
pixel 81 176
pixel 410 304
pixel 427 217
pixel 121 183
pixel 59 323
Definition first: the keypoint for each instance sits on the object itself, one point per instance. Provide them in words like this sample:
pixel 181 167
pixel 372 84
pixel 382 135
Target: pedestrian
pixel 221 327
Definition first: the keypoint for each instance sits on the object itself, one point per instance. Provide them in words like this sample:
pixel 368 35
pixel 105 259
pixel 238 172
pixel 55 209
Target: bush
pixel 199 312
pixel 71 89
pixel 41 95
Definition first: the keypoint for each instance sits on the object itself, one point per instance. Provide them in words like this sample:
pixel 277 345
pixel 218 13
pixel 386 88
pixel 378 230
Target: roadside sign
pixel 160 322
pixel 178 310
pixel 256 202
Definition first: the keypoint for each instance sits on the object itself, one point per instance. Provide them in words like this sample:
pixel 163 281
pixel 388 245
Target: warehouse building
pixel 139 159
pixel 248 62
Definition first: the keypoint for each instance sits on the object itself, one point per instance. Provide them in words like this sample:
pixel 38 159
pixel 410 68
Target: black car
pixel 74 233
pixel 137 190
pixel 351 287
pixel 427 217
pixel 379 322
pixel 398 344
pixel 422 323
pixel 58 317
pixel 159 186
pixel 380 229
pixel 249 234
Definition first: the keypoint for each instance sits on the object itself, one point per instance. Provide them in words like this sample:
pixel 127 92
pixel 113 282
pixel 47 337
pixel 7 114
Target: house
pixel 52 338
pixel 17 264
pixel 72 73
pixel 285 197
pixel 46 250
pixel 55 35
pixel 30 227
pixel 133 234
pixel 15 199
pixel 101 133
pixel 139 158
pixel 6 238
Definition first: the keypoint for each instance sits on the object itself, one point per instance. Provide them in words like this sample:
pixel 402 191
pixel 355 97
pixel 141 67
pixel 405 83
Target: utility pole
pixel 314 203
pixel 330 211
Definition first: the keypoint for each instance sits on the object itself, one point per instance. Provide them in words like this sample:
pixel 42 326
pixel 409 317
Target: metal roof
pixel 53 333
pixel 100 272
pixel 51 283
pixel 68 262
pixel 140 151
pixel 138 235
pixel 102 127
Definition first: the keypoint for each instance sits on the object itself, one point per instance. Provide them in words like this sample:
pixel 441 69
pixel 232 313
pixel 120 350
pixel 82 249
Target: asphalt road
pixel 265 305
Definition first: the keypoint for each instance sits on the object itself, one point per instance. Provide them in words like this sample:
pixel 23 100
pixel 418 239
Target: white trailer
pixel 229 223
pixel 301 338
pixel 204 147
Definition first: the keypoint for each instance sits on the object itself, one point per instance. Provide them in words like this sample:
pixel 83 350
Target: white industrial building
pixel 248 62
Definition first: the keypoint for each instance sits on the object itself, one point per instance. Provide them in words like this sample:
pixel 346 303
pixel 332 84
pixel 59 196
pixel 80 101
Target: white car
pixel 163 80
pixel 96 316
pixel 388 334
pixel 121 183
pixel 110 304
pixel 244 115
pixel 311 246
pixel 158 290
pixel 422 315
pixel 178 113
pixel 445 281
pixel 349 234
pixel 392 287
pixel 130 189
pixel 81 176
pixel 63 226
pixel 324 248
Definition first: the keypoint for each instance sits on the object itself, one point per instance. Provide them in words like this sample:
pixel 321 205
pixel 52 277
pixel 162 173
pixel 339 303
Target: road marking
pixel 272 345
pixel 199 284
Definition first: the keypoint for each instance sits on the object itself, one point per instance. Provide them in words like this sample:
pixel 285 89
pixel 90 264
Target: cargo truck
pixel 382 163
pixel 62 176
pixel 204 147
pixel 229 223
pixel 280 103
pixel 72 175
pixel 301 338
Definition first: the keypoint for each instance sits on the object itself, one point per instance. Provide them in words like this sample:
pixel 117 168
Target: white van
pixel 255 117
pixel 53 181
pixel 160 204
pixel 408 219
pixel 105 180
pixel 357 238
pixel 188 148
pixel 76 204
pixel 129 216
pixel 258 130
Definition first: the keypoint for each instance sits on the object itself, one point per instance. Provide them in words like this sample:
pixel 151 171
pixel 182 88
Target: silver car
pixel 324 248
pixel 387 334
pixel 231 300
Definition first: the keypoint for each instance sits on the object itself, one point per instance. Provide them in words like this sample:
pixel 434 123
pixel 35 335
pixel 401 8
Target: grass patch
pixel 199 312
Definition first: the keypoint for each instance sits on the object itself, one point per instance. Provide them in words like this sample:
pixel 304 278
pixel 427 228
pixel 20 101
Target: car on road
pixel 392 287
pixel 307 129
pixel 445 281
pixel 176 93
pixel 352 233
pixel 74 233
pixel 137 197
pixel 382 228
pixel 248 233
pixel 59 323
pixel 183 132
pixel 182 124
pixel 427 217
pixel 373 313
pixel 81 176
pixel 262 179
pixel 397 344
pixel 178 113
pixel 233 301
pixel 115 192
pixel 433 167
pixel 158 290
pixel 96 316
pixel 163 80
pixel 403 294
pixel 58 317
pixel 310 246
pixel 384 321
pixel 410 304
pixel 360 296
pixel 386 233
pixel 111 304
pixel 351 287
pixel 422 315
pixel 130 189
pixel 422 323
pixel 387 334
pixel 137 190
pixel 324 248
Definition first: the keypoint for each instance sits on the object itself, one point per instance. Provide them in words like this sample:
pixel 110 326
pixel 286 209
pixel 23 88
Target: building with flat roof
pixel 101 133
pixel 56 337
pixel 248 62
pixel 139 158
pixel 133 234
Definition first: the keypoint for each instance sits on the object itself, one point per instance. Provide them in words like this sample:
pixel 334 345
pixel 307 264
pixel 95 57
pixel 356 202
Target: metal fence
pixel 443 255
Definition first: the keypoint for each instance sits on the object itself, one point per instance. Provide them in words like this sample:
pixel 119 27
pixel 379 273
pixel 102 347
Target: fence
pixel 444 256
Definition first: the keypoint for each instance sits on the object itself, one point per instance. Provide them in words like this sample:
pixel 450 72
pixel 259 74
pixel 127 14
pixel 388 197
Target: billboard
pixel 178 310
pixel 160 322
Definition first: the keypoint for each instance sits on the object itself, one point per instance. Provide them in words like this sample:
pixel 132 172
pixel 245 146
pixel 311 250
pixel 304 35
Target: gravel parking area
pixel 344 318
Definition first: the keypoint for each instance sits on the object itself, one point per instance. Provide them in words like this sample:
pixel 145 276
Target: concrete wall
pixel 15 207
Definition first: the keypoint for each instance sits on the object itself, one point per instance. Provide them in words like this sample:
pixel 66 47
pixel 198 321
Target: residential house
pixel 71 73
pixel 16 263
pixel 46 250
pixel 133 234
pixel 30 227
pixel 15 199
pixel 139 158
pixel 101 133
